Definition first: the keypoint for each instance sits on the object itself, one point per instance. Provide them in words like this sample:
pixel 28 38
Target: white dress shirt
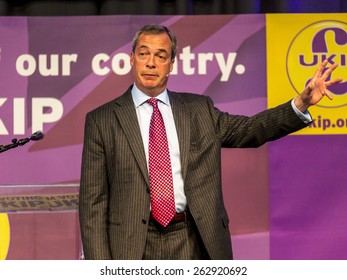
pixel 305 117
pixel 144 112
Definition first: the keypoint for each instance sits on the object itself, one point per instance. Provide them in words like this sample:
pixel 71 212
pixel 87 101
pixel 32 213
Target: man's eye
pixel 162 58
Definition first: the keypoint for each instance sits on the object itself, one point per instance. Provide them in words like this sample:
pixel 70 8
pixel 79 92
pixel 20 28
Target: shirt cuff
pixel 304 116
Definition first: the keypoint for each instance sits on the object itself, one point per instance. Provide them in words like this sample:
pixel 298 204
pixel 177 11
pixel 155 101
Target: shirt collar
pixel 140 97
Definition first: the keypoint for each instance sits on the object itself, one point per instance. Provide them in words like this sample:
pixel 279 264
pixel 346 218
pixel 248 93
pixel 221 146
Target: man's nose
pixel 151 61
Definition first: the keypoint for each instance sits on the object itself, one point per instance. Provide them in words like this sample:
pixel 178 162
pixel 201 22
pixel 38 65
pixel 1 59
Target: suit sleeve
pixel 93 199
pixel 247 132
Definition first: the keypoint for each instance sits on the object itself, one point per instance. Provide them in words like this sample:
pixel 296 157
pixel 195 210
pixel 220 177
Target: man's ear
pixel 172 65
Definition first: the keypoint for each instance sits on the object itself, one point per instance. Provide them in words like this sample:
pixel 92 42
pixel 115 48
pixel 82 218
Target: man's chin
pixel 150 84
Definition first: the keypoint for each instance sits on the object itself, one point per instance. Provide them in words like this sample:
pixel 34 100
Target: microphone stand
pixel 20 142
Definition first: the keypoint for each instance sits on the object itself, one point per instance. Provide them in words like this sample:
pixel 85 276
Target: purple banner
pixel 54 70
pixel 308 198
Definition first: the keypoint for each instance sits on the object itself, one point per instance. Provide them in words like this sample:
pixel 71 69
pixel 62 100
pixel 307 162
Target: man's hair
pixel 156 29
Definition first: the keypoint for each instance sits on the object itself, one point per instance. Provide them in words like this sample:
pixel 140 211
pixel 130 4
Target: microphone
pixel 38 135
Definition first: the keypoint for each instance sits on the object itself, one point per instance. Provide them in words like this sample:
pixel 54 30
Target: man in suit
pixel 118 215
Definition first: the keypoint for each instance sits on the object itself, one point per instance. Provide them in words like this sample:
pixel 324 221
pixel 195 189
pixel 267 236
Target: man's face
pixel 152 63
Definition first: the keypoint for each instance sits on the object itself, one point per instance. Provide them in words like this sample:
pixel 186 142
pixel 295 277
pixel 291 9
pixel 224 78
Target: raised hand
pixel 317 88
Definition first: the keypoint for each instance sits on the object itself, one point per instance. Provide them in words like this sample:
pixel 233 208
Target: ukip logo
pixel 310 47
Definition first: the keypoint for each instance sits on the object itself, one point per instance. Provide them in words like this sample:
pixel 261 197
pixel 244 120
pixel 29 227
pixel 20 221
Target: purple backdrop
pixel 308 197
pixel 300 179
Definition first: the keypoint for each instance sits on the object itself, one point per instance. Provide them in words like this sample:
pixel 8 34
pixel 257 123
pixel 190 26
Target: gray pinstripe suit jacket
pixel 114 193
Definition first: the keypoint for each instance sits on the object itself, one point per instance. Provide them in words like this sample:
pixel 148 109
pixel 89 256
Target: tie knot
pixel 153 102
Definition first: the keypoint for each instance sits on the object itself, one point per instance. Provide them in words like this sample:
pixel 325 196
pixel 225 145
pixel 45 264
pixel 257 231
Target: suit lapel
pixel 126 115
pixel 182 122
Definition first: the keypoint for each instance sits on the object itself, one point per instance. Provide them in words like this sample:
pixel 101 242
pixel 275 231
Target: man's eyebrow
pixel 163 50
pixel 158 50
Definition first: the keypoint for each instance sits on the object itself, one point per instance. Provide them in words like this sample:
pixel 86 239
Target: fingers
pixel 327 84
pixel 317 88
pixel 328 94
pixel 325 75
pixel 333 82
pixel 328 72
pixel 321 68
pixel 321 88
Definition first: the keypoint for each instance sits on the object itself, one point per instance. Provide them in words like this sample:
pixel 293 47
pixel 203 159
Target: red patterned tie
pixel 160 173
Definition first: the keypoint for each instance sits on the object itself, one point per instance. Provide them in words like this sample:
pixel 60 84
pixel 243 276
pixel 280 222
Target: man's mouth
pixel 148 75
